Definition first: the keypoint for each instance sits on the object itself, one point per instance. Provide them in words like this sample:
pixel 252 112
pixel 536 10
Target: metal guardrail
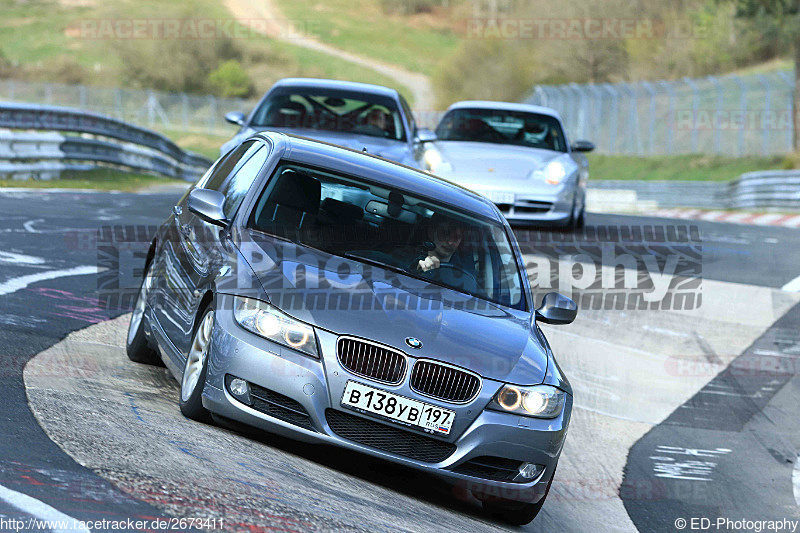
pixel 770 189
pixel 96 140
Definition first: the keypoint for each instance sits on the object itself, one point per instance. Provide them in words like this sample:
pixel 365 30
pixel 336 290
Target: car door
pixel 192 253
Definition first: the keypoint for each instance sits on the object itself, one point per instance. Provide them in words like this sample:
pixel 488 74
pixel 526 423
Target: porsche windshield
pixel 335 110
pixel 501 126
pixel 352 217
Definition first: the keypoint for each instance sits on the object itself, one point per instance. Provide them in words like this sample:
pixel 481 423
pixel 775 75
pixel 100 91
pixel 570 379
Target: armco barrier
pixel 75 139
pixel 771 189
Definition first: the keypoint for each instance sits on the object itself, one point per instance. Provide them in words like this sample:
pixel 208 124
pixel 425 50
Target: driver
pixel 375 122
pixel 445 237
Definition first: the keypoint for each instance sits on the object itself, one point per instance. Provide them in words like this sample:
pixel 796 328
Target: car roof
pixel 505 106
pixel 337 84
pixel 382 171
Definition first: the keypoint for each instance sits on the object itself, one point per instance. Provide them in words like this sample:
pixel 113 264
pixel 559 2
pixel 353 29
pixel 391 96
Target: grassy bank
pixel 42 41
pixel 694 167
pixel 101 179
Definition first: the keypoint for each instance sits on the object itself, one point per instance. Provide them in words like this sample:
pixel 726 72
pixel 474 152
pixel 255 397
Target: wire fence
pixel 148 108
pixel 732 115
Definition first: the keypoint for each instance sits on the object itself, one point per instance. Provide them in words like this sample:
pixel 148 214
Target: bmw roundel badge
pixel 414 342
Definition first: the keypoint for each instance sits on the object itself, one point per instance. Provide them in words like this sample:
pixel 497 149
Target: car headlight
pixel 553 172
pixel 269 322
pixel 540 401
pixel 435 163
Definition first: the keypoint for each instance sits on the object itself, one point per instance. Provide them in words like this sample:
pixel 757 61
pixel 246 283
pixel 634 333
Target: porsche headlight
pixel 435 163
pixel 269 322
pixel 540 401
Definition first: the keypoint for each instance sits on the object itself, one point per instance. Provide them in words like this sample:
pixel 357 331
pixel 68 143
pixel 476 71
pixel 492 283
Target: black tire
pixel 191 401
pixel 580 223
pixel 136 346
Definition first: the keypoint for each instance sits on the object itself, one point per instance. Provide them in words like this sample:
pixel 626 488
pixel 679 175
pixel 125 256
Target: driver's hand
pixel 429 263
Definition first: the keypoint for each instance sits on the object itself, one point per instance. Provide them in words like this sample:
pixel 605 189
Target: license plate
pixel 500 197
pixel 398 408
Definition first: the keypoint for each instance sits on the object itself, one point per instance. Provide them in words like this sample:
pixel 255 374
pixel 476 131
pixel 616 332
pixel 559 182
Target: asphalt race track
pixel 679 413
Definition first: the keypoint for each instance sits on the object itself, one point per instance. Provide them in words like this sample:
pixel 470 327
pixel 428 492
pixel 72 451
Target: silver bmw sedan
pixel 336 297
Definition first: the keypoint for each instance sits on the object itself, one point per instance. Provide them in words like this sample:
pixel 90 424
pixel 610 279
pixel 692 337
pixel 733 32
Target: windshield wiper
pixel 373 262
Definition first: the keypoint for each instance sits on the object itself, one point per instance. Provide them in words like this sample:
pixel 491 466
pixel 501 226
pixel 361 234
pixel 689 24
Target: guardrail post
pixel 82 96
pixel 48 94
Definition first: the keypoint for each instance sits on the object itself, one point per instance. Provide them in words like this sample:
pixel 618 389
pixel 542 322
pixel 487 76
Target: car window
pixel 242 179
pixel 335 110
pixel 500 126
pixel 350 216
pixel 223 167
pixel 409 114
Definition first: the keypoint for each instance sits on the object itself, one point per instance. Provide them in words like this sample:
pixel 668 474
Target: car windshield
pixel 501 126
pixel 331 110
pixel 352 217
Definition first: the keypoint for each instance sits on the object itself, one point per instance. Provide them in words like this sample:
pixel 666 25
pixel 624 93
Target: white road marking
pixel 796 480
pixel 792 286
pixel 29 225
pixel 11 257
pixel 15 284
pixel 58 521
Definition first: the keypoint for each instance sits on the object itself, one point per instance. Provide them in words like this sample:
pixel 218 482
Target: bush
pixel 231 80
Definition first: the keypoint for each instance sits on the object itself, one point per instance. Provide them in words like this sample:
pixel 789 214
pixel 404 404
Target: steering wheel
pixel 453 276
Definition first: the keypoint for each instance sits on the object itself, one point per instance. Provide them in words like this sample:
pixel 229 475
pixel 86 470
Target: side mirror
pixel 582 146
pixel 235 117
pixel 557 309
pixel 425 135
pixel 207 205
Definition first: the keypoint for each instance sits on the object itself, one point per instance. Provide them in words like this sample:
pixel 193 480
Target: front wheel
pixel 195 369
pixel 139 351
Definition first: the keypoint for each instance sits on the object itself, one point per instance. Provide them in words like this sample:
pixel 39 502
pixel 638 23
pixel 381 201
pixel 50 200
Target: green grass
pixel 200 143
pixel 103 179
pixel 38 34
pixel 417 43
pixel 695 167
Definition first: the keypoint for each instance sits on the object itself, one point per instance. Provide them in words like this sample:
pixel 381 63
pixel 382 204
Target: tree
pixel 230 80
pixel 779 19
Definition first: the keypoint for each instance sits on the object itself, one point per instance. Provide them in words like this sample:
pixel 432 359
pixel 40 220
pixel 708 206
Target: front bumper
pixel 317 386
